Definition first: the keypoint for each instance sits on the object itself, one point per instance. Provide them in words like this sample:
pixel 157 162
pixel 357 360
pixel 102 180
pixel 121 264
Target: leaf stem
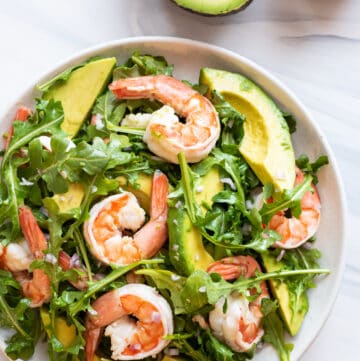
pixel 80 241
pixel 186 182
pixel 299 191
pixel 77 306
pixel 280 274
pixel 125 130
pixel 26 138
pixel 5 307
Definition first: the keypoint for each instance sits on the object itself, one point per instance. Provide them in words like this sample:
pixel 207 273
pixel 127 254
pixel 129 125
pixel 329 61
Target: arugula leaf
pixel 200 88
pixel 82 302
pixel 274 329
pixel 15 194
pixel 201 288
pixel 15 313
pixel 180 341
pixel 170 281
pixel 227 231
pixel 232 121
pixel 288 199
pixel 139 65
pixel 47 119
pixel 311 168
pixel 217 350
pixel 300 258
pixel 83 160
pixel 110 108
pixel 290 121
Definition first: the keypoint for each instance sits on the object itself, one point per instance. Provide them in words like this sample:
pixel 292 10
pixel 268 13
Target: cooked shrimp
pixel 38 287
pixel 17 257
pixel 296 231
pixel 112 218
pixel 240 325
pixel 195 138
pixel 21 114
pixel 136 318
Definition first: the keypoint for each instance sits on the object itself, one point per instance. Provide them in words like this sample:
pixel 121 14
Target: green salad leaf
pixel 110 108
pixel 139 65
pixel 202 288
pixel 288 199
pixel 232 122
pixel 311 168
pixel 225 225
pixel 170 281
pixel 218 351
pixel 300 258
pixel 274 329
pixel 290 120
pixel 17 315
pixel 182 343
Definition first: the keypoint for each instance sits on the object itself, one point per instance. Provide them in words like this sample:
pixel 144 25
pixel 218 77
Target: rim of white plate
pixel 255 69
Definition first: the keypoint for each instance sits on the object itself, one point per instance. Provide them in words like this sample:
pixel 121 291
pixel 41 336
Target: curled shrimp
pixel 36 288
pixel 240 325
pixel 135 317
pixel 296 231
pixel 17 257
pixel 111 220
pixel 195 138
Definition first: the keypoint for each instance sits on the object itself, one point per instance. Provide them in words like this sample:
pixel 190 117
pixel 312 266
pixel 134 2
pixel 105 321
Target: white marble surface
pixel 312 46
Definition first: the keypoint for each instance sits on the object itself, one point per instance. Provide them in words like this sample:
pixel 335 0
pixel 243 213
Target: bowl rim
pixel 140 40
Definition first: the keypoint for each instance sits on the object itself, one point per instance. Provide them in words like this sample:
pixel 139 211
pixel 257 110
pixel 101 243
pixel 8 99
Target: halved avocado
pixel 280 291
pixel 186 249
pixel 80 91
pixel 213 7
pixel 266 145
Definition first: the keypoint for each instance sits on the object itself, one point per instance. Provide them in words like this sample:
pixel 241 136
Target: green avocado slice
pixel 280 291
pixel 213 7
pixel 266 145
pixel 186 249
pixel 80 91
pixel 77 96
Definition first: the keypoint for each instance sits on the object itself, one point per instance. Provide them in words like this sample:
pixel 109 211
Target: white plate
pixel 188 57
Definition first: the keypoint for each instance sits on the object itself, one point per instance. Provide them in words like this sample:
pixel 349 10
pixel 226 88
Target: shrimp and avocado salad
pixel 144 216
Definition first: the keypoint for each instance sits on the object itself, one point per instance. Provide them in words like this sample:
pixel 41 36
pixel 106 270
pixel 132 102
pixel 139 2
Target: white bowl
pixel 188 57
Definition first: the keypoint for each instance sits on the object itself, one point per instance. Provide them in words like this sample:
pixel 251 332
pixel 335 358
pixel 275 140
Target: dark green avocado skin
pixel 241 8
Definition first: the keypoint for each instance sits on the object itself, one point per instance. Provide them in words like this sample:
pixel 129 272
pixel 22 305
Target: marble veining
pixel 312 46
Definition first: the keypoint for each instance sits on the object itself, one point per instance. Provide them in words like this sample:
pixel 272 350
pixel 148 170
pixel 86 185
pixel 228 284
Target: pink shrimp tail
pixel 233 267
pixel 32 232
pixel 65 263
pixel 150 238
pixel 38 289
pixel 92 337
pixel 107 310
